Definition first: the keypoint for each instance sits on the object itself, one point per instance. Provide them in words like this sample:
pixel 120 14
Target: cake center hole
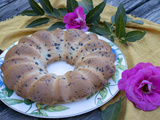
pixel 59 67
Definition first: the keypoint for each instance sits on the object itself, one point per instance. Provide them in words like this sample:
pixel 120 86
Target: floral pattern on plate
pixel 92 102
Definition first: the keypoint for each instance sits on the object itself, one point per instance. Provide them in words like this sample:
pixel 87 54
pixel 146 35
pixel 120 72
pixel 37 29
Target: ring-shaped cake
pixel 25 66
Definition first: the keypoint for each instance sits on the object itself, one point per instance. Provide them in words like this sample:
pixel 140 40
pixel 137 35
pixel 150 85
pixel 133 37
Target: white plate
pixel 17 103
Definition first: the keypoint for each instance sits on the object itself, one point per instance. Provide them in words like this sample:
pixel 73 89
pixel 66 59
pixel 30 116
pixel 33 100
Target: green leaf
pixel 39 113
pixel 36 8
pixel 138 21
pixel 40 106
pixel 111 38
pixel 71 5
pixel 103 31
pixel 112 111
pixel 121 67
pixel 108 84
pixel 93 29
pixel 49 9
pixel 2 95
pixel 95 12
pixel 97 21
pixel 120 60
pixel 120 27
pixel 56 13
pixel 38 22
pixel 91 95
pixel 29 13
pixel 113 19
pixel 134 35
pixel 87 5
pixel 63 11
pixel 28 102
pixel 115 77
pixel 57 25
pixel 47 6
pixel 43 113
pixel 55 108
pixel 35 113
pixel 103 93
pixel 99 102
pixel 9 92
pixel 12 101
pixel 122 41
pixel 108 26
pixel 121 11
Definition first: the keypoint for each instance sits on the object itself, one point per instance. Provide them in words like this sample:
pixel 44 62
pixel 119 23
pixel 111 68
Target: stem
pixel 124 42
pixel 29 108
pixel 39 110
pixel 89 25
pixel 54 17
pixel 127 44
pixel 123 97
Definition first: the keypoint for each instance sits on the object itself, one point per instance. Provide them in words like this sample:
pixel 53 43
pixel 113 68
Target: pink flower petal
pixel 76 20
pixel 79 21
pixel 79 12
pixel 144 65
pixel 85 29
pixel 156 83
pixel 155 71
pixel 84 18
pixel 142 86
pixel 145 106
pixel 68 26
pixel 68 18
pixel 145 86
pixel 153 98
pixel 158 68
pixel 147 73
pixel 138 93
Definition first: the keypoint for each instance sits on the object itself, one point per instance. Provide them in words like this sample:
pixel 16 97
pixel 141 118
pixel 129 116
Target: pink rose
pixel 76 20
pixel 142 86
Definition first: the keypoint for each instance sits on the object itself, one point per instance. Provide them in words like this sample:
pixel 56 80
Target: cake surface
pixel 25 66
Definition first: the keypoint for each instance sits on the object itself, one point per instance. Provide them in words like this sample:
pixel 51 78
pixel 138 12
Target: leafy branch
pixel 119 21
pixel 116 29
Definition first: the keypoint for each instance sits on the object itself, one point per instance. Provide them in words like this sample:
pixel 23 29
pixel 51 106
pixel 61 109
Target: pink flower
pixel 142 86
pixel 76 20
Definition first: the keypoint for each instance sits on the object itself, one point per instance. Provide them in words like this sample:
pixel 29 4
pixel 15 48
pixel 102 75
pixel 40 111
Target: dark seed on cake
pixel 55 44
pixel 69 84
pixel 53 77
pixel 72 48
pixel 40 69
pixel 36 63
pixel 19 76
pixel 49 55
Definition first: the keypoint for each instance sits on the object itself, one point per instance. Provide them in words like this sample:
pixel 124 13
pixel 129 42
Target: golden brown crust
pixel 25 64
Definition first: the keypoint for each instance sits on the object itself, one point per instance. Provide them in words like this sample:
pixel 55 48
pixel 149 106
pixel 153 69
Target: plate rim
pixel 75 114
